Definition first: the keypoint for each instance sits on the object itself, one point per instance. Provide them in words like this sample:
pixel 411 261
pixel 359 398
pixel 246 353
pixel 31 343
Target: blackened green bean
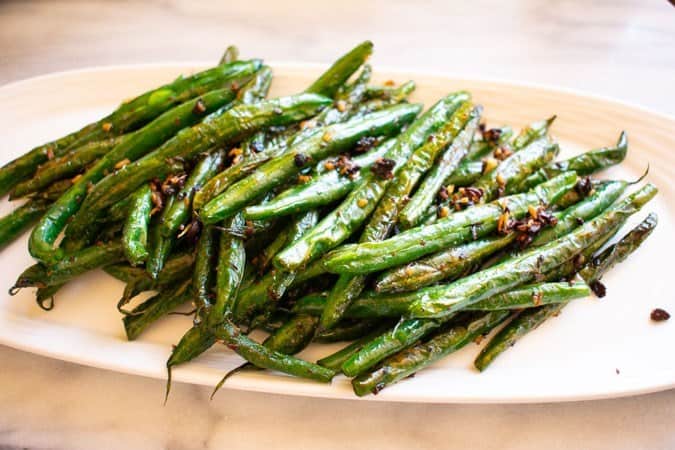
pixel 203 279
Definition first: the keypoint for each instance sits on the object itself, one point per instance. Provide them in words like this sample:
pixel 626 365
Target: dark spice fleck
pixel 659 315
pixel 443 193
pixel 491 135
pixel 173 183
pixel 301 159
pixel 383 168
pixel 598 288
pixel 346 166
pixel 579 220
pixel 584 186
pixel 200 107
pixel 365 143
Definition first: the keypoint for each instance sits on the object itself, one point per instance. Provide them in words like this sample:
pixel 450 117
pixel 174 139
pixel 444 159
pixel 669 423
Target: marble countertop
pixel 621 49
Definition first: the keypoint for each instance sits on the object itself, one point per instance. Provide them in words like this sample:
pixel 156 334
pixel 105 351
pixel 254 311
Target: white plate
pixel 595 349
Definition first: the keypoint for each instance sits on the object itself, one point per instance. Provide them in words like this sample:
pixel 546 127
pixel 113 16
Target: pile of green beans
pixel 340 213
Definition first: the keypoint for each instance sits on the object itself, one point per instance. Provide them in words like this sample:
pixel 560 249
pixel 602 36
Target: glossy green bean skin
pixel 618 252
pixel 584 164
pixel 457 260
pixel 444 300
pixel 452 230
pixel 229 275
pixel 529 320
pixel 322 190
pixel 179 267
pixel 64 166
pixel 415 358
pixel 349 286
pixel 257 298
pixel 446 264
pixel 470 171
pixel 233 125
pixel 332 140
pixel 411 214
pixel 515 168
pixel 262 357
pixel 331 80
pixel 351 213
pixel 348 331
pixel 132 147
pixel 204 276
pixel 16 222
pixel 407 333
pixel 135 236
pixel 489 282
pixel 294 335
pixel 156 307
pixel 179 212
pixel 127 117
pixel 85 260
pixel 370 306
pixel 335 360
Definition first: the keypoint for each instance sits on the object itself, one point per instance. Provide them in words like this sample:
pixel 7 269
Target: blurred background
pixel 619 48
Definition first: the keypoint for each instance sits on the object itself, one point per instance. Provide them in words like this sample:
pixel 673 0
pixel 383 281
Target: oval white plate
pixel 595 349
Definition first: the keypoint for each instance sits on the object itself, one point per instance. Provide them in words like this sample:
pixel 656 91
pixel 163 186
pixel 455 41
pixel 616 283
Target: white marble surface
pixel 622 49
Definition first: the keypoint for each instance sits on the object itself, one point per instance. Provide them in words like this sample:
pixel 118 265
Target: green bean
pixel 262 357
pixel 159 246
pixel 156 307
pixel 441 344
pixel 64 166
pixel 424 196
pixel 16 222
pixel 179 212
pixel 388 343
pixel 332 140
pixel 323 190
pixel 515 168
pixel 178 268
pixel 348 331
pixel 233 125
pixel 127 117
pixel 444 300
pixel 616 253
pixel 348 287
pixel 329 82
pixel 230 55
pixel 370 306
pixel 457 260
pixel 337 226
pixel 470 171
pixel 76 264
pixel 529 320
pixel 584 164
pixel 230 271
pixel 132 147
pixel 391 93
pixel 489 282
pixel 204 275
pixel 453 230
pixel 335 360
pixel 294 335
pixel 256 298
pixel 194 342
pixel 135 237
